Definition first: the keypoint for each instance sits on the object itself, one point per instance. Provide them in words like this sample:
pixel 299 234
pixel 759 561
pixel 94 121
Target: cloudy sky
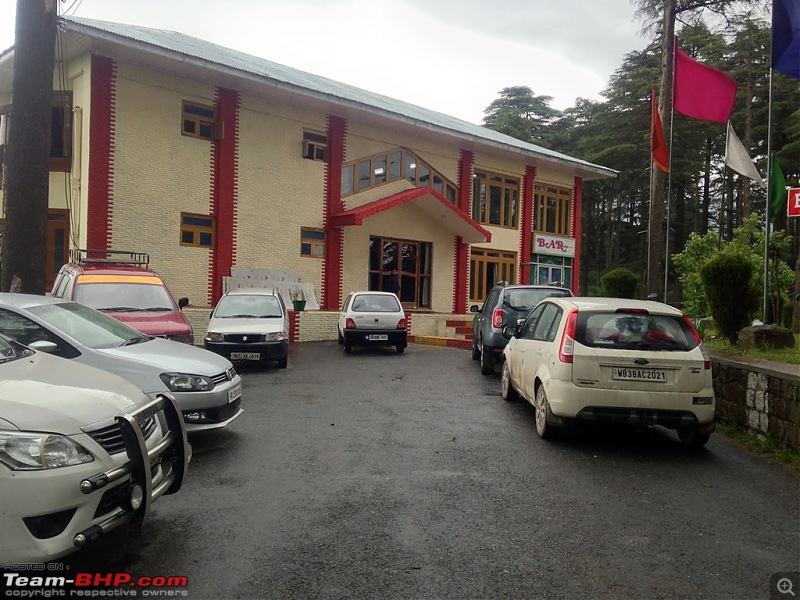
pixel 453 56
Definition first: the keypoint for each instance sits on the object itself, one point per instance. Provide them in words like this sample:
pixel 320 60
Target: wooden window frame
pixel 312 242
pixel 197 230
pixel 562 209
pixel 506 262
pixel 61 161
pixel 508 187
pixel 315 145
pixel 216 129
pixel 449 189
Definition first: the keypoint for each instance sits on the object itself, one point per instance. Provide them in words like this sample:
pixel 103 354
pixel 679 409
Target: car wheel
pixel 487 361
pixel 400 348
pixel 543 428
pixel 506 389
pixel 340 338
pixel 283 362
pixel 476 352
pixel 347 348
pixel 692 438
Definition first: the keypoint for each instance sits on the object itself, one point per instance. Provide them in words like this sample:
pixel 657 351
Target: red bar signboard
pixel 793 204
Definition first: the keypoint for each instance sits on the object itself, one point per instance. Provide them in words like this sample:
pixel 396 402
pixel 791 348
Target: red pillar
pixel 526 231
pixel 577 196
pixel 101 158
pixel 334 236
pixel 461 262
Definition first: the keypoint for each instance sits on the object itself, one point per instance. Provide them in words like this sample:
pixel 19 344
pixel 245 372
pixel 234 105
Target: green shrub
pixel 620 283
pixel 728 282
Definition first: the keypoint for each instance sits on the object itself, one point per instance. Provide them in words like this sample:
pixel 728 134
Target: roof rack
pixel 119 257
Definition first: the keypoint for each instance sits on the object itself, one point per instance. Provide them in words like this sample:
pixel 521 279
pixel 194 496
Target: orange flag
pixel 658 147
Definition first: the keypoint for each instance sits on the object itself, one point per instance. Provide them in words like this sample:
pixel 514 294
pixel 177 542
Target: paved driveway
pixel 377 475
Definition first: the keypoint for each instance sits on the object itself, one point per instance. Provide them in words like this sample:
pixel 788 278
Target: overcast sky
pixel 453 56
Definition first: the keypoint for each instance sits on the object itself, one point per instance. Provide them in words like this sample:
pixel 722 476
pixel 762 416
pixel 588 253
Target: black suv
pixel 504 305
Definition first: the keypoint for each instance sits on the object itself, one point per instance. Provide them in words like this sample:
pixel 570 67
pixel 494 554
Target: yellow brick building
pixel 208 159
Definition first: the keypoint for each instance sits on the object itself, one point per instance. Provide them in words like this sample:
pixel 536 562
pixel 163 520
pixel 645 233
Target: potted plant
pixel 298 299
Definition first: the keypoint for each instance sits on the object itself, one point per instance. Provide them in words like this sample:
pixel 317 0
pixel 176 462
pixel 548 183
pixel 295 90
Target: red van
pixel 122 285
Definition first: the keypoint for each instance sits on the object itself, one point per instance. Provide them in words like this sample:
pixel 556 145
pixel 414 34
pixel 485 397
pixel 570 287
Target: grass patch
pixel 765 445
pixel 784 355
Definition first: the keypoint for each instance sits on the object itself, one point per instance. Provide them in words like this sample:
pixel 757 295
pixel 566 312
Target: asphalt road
pixel 377 475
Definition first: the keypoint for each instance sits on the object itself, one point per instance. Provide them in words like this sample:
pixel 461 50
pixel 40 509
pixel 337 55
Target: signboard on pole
pixel 793 202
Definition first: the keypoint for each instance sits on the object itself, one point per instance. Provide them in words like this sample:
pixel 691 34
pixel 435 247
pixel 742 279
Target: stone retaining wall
pixel 759 397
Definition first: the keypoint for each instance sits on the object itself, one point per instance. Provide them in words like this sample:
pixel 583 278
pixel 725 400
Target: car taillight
pixel 401 324
pixel 497 317
pixel 698 339
pixel 568 338
pixel 350 324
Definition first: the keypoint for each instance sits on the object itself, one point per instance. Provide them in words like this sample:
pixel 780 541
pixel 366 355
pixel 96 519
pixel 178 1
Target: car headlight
pixel 182 382
pixel 32 451
pixel 278 336
pixel 214 337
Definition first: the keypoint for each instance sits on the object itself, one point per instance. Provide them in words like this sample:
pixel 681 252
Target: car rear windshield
pixel 375 303
pixel 626 331
pixel 525 299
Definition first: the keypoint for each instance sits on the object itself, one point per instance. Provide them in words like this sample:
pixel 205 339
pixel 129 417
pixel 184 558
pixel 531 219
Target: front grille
pixel 110 437
pixel 222 413
pixel 249 338
pixel 223 377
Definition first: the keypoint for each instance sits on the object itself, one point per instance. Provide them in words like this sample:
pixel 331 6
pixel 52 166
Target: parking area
pixel 379 475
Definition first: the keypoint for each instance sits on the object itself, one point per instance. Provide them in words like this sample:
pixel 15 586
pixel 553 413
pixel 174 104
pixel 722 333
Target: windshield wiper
pixel 239 317
pixel 133 341
pixel 119 309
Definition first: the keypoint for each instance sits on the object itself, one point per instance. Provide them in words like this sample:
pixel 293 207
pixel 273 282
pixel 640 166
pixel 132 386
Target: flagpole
pixel 767 203
pixel 669 193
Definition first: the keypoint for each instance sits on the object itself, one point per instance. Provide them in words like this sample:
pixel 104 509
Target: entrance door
pixel 57 244
pixel 402 267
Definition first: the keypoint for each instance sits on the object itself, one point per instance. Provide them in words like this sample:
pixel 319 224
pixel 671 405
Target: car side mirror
pixel 211 315
pixel 474 308
pixel 44 346
pixel 183 302
pixel 510 331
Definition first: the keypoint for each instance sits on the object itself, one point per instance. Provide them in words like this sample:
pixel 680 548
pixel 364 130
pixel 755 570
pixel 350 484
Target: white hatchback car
pixel 372 319
pixel 82 452
pixel 250 325
pixel 611 359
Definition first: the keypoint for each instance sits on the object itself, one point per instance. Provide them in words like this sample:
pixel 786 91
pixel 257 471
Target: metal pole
pixel 767 206
pixel 669 193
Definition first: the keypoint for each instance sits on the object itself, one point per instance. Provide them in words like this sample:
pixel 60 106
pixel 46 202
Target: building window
pixel 197 230
pixel 495 199
pixel 312 242
pixel 552 209
pixel 551 270
pixel 315 146
pixel 199 121
pixel 61 132
pixel 372 171
pixel 487 268
pixel 403 267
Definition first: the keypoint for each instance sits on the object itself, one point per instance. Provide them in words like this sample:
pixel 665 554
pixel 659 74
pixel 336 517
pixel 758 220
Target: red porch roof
pixel 427 199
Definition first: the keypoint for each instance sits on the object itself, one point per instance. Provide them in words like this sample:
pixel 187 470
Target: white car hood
pixel 167 356
pixel 47 393
pixel 245 326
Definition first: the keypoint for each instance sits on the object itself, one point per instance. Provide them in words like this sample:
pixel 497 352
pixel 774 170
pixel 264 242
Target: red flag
pixel 701 92
pixel 657 146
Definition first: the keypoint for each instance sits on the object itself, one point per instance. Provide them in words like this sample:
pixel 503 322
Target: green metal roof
pixel 227 58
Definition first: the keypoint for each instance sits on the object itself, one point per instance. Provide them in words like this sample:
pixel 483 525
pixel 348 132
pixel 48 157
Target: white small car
pixel 250 325
pixel 614 360
pixel 205 385
pixel 372 319
pixel 82 452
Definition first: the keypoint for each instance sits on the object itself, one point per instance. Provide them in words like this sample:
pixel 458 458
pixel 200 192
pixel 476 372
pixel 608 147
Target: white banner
pixel 550 244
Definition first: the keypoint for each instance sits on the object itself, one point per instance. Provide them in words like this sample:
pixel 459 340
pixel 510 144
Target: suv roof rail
pixel 119 257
